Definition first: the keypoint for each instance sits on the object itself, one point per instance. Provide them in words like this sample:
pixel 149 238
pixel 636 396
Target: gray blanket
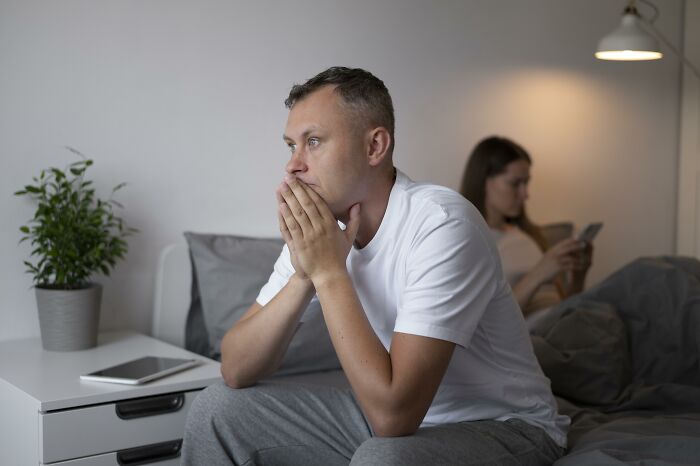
pixel 624 361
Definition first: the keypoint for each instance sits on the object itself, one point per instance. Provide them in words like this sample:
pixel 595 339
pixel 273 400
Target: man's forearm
pixel 395 388
pixel 255 346
pixel 365 361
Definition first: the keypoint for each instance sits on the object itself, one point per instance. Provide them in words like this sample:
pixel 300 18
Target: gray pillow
pixel 583 349
pixel 228 272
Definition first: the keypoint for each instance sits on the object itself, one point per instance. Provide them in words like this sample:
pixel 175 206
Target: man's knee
pixel 208 437
pixel 381 451
pixel 214 402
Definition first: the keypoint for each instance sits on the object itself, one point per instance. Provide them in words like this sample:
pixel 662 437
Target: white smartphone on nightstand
pixel 139 371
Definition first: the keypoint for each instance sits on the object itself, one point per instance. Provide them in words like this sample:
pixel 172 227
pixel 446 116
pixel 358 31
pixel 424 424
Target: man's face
pixel 328 152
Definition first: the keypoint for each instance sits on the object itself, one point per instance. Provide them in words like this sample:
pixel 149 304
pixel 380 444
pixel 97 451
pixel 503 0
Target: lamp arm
pixel 668 43
pixel 653 7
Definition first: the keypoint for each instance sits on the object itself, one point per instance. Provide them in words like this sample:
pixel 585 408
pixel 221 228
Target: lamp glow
pixel 628 55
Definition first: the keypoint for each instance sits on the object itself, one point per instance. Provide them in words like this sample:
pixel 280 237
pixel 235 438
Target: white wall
pixel 184 101
pixel 688 229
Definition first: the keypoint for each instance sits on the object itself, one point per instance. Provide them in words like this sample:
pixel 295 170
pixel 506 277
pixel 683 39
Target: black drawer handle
pixel 150 453
pixel 150 406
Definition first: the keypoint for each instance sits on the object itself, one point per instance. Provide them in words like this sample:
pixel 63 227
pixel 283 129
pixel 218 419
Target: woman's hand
pixel 582 262
pixel 567 255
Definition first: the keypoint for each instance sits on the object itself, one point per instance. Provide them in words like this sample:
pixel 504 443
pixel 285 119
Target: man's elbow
pixel 233 379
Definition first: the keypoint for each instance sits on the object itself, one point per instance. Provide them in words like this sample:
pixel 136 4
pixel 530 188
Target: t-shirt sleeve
pixel 451 277
pixel 281 274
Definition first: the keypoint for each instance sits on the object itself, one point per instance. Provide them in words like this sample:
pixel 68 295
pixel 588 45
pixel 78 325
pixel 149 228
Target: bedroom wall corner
pixel 688 218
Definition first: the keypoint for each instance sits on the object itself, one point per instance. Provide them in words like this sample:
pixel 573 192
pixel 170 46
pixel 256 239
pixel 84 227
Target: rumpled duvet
pixel 624 361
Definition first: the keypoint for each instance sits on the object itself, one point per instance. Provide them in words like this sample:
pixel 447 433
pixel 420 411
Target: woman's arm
pixel 582 262
pixel 557 259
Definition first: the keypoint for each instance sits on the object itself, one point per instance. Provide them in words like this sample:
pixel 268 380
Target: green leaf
pixel 32 189
pixel 58 174
pixel 118 187
pixel 76 152
pixel 24 229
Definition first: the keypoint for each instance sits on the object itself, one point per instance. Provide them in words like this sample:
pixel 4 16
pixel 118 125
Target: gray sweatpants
pixel 300 425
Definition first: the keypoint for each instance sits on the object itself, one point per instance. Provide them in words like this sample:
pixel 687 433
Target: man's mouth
pixel 310 185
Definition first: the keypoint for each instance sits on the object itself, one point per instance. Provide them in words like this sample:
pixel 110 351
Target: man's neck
pixel 372 212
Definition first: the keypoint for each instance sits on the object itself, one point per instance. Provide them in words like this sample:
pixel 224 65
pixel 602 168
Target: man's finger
pixel 291 223
pixel 300 190
pixel 294 208
pixel 353 223
pixel 283 227
pixel 323 209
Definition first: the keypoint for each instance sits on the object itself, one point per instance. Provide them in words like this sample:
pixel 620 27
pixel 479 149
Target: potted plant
pixel 74 235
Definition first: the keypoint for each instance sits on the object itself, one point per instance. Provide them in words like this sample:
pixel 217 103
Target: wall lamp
pixel 629 42
pixel 632 42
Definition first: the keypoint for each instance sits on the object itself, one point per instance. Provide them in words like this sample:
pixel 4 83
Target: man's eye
pixel 313 142
pixel 292 147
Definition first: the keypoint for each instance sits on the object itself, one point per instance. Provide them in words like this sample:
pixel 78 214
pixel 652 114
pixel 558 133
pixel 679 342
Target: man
pixel 424 325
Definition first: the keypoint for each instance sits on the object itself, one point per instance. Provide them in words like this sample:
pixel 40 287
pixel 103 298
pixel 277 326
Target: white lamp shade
pixel 628 42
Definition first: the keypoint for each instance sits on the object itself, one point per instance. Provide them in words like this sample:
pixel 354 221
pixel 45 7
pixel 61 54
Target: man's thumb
pixel 353 223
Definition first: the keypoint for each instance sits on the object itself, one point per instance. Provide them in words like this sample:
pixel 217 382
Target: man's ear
pixel 379 142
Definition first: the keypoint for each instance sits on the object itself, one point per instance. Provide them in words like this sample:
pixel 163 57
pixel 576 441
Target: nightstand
pixel 49 416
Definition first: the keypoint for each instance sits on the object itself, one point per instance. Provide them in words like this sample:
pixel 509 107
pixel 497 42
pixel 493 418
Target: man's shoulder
pixel 440 215
pixel 429 199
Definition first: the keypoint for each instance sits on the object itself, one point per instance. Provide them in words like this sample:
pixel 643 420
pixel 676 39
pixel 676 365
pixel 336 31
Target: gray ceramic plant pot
pixel 68 318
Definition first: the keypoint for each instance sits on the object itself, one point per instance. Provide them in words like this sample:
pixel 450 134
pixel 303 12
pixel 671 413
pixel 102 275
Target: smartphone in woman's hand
pixel 589 232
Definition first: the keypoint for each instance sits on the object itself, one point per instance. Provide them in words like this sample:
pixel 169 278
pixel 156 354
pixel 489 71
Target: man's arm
pixel 255 346
pixel 395 388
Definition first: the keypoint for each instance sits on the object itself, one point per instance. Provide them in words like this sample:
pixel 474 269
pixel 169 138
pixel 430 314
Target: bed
pixel 623 357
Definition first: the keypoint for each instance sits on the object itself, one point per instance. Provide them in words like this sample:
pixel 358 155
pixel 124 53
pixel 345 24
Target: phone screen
pixel 590 232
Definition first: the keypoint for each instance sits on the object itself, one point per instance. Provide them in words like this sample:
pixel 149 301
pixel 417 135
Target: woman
pixel 496 182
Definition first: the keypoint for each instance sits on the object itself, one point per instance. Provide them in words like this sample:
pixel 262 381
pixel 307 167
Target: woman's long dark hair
pixel 490 158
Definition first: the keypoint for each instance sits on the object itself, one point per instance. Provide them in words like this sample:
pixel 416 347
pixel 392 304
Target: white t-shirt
pixel 432 269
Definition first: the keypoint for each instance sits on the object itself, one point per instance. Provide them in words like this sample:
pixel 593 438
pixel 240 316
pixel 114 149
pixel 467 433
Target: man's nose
pixel 296 163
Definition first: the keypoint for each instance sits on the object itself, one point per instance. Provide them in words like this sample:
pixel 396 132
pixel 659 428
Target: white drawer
pixel 112 427
pixel 164 454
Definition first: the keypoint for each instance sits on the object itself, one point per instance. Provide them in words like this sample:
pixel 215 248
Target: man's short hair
pixel 364 94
